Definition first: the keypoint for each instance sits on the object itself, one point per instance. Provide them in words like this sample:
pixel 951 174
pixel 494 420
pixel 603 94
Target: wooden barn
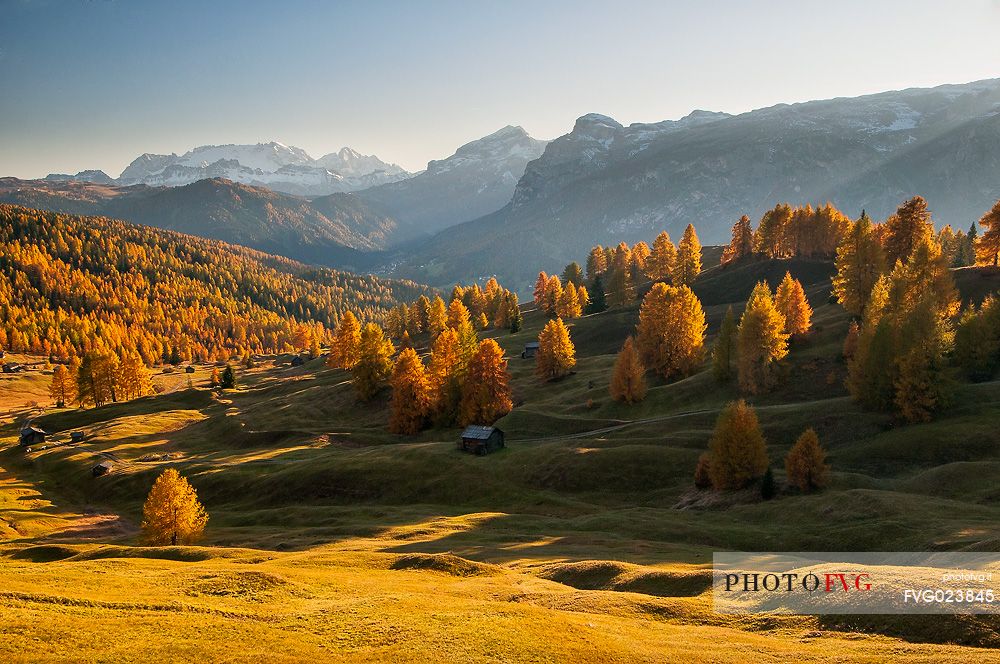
pixel 103 468
pixel 530 349
pixel 297 361
pixel 32 435
pixel 76 437
pixel 481 440
pixel 189 369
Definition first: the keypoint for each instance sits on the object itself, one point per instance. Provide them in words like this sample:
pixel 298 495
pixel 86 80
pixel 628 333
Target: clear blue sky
pixel 94 83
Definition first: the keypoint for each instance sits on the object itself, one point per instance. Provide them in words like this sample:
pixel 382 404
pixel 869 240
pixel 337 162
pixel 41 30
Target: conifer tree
pixel 556 355
pixel 568 305
pixel 737 451
pixel 63 388
pixel 860 262
pixel 598 301
pixel 628 380
pixel 228 381
pixel 851 340
pixel 771 238
pixel 741 244
pixel 724 348
pixel 458 315
pixel 486 391
pixel 909 227
pixel 791 301
pixel 805 465
pixel 411 394
pixel 663 259
pixel 423 313
pixel 573 274
pixel 314 350
pixel 515 319
pixel 638 259
pixel 583 298
pixel 346 343
pixel 215 380
pixel 988 246
pixel 597 263
pixel 620 287
pixel 553 291
pixel 541 285
pixel 482 323
pixel 437 317
pixel 374 361
pixel 688 265
pixel 133 378
pixel 671 330
pixel 446 372
pixel 921 386
pixel 761 340
pixel 977 340
pixel 172 513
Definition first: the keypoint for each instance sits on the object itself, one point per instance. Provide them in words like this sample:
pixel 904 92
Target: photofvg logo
pixel 858 582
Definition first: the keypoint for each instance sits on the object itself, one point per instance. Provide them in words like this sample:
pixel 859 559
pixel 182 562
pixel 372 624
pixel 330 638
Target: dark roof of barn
pixel 531 344
pixel 32 429
pixel 477 432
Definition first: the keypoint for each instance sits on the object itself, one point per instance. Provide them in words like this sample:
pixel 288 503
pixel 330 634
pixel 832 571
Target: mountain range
pixel 604 182
pixel 509 204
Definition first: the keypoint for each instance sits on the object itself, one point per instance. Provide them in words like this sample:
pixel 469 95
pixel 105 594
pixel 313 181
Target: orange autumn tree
pixel 671 330
pixel 568 304
pixel 63 387
pixel 988 246
pixel 791 301
pixel 688 265
pixel 556 354
pixel 486 391
pixel 446 371
pixel 662 259
pixel 172 513
pixel 737 451
pixel 541 285
pixel 374 361
pixel 346 343
pixel 411 394
pixel 628 381
pixel 761 340
pixel 805 464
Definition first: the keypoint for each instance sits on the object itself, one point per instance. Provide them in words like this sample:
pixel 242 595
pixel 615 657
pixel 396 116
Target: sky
pixel 95 83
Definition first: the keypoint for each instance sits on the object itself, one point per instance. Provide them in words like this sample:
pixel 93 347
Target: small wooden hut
pixel 481 440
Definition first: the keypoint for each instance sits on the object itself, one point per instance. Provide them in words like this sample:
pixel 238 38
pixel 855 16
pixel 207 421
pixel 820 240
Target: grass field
pixel 582 541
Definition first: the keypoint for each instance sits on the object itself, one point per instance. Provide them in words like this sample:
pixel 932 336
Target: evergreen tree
pixel 768 487
pixel 860 262
pixel 628 380
pixel 486 391
pixel 724 348
pixel 977 340
pixel 737 451
pixel 761 340
pixel 556 354
pixel 228 381
pixel 411 394
pixel 172 513
pixel 515 320
pixel 791 301
pixel 688 265
pixel 346 343
pixel 573 274
pixel 671 330
pixel 598 302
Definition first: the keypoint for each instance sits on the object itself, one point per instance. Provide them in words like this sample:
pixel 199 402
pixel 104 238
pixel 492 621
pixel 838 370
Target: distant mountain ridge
pixel 604 182
pixel 274 165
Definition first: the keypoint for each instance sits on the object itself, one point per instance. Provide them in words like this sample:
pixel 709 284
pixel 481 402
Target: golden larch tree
pixel 553 292
pixel 172 513
pixel 374 361
pixel 671 330
pixel 568 305
pixel 628 380
pixel 597 263
pixel 63 387
pixel 437 317
pixel 662 259
pixel 860 262
pixel 737 451
pixel 556 355
pixel 411 394
pixel 541 284
pixel 791 301
pixel 761 340
pixel 741 244
pixel 133 377
pixel 988 245
pixel 805 465
pixel 688 265
pixel 458 314
pixel 346 343
pixel 906 229
pixel 486 391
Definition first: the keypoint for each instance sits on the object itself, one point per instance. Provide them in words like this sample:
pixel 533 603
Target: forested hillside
pixel 68 283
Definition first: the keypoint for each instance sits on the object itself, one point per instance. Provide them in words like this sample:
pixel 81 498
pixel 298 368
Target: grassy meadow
pixel 583 540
